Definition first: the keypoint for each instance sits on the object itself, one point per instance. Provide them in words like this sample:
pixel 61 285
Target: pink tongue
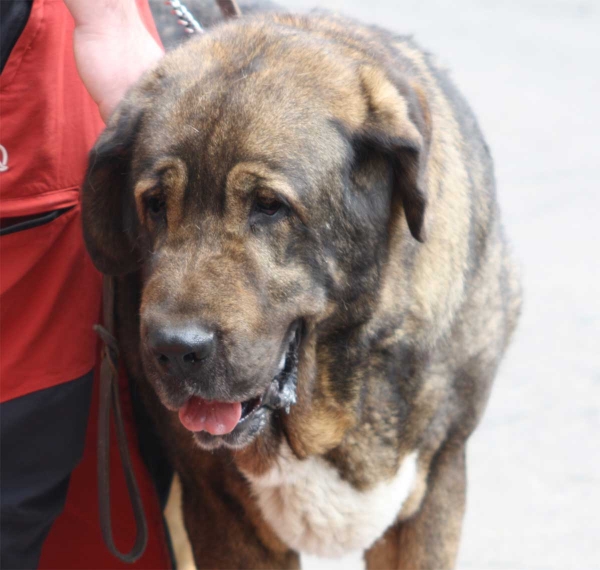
pixel 217 418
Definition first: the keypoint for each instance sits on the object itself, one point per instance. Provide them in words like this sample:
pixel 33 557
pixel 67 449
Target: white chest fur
pixel 316 512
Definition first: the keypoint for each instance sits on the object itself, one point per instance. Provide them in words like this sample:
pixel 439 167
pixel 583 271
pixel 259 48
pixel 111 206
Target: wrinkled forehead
pixel 215 112
pixel 218 131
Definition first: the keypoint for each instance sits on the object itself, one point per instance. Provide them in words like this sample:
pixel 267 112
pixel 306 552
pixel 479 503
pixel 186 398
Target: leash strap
pixel 229 8
pixel 109 397
pixel 109 383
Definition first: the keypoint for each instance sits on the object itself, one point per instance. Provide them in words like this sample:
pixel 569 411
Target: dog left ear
pixel 397 125
pixel 108 210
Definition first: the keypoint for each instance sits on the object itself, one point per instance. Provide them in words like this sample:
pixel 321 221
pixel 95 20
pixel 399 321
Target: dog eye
pixel 156 206
pixel 267 206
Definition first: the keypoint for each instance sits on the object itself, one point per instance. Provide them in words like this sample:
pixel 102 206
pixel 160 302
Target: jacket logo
pixel 3 159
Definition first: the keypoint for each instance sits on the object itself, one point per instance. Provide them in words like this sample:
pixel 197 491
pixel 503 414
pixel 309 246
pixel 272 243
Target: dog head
pixel 252 178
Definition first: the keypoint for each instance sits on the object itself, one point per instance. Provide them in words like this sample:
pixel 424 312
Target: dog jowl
pixel 324 281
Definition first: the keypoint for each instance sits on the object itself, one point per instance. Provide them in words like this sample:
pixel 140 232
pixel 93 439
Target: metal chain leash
pixel 229 9
pixel 186 19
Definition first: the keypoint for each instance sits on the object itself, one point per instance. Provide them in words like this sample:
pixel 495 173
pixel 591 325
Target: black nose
pixel 183 347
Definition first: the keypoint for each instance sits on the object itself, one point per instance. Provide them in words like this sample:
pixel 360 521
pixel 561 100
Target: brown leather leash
pixel 229 8
pixel 109 397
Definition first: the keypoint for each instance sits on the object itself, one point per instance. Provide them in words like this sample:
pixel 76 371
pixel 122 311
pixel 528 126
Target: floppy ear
pixel 108 208
pixel 397 125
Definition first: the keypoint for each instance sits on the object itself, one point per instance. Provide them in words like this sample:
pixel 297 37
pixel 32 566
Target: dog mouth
pixel 216 418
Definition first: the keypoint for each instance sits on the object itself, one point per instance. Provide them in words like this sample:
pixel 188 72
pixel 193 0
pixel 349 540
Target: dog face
pixel 252 177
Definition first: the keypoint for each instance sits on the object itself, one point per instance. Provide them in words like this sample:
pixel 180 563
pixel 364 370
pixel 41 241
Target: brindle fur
pixel 394 258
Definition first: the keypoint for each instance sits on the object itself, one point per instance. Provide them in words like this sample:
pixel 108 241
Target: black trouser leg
pixel 42 436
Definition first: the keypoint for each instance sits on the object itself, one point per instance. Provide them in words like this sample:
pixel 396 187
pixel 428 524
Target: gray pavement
pixel 531 70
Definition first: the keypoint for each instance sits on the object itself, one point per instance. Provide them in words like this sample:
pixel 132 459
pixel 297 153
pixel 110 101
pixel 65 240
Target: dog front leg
pixel 225 532
pixel 429 540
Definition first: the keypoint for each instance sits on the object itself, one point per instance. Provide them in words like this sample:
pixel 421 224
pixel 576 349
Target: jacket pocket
pixel 12 225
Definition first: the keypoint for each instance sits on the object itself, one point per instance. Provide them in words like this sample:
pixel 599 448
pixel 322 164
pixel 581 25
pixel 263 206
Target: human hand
pixel 112 48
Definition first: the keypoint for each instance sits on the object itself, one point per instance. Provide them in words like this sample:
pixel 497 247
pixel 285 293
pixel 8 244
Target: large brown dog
pixel 318 288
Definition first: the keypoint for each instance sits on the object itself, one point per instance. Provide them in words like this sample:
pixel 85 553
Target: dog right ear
pixel 397 125
pixel 108 210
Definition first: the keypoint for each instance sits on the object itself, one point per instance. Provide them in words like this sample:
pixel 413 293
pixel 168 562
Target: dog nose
pixel 184 347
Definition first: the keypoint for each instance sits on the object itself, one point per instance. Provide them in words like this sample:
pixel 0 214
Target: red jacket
pixel 50 294
pixel 49 291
